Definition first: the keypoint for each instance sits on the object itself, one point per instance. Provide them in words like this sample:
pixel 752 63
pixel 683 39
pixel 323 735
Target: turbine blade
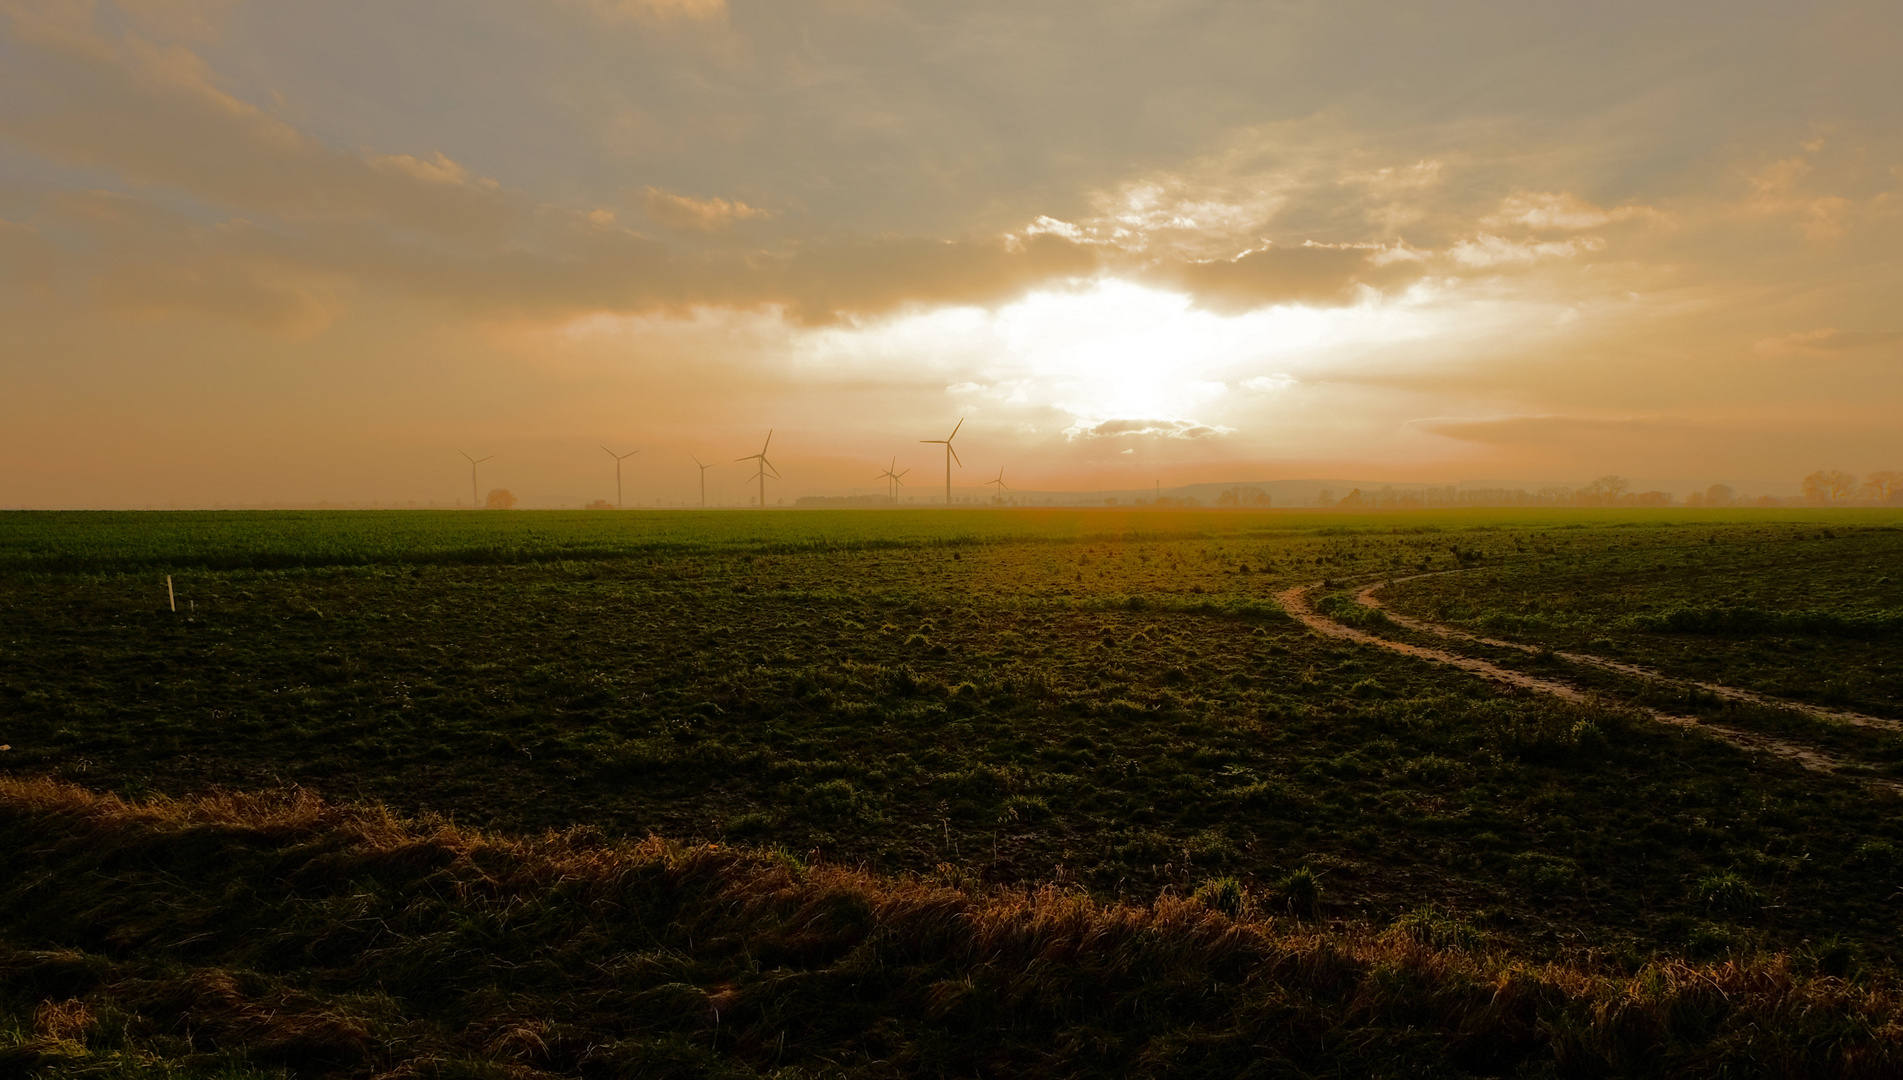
pixel 954 453
pixel 954 434
pixel 768 442
pixel 696 461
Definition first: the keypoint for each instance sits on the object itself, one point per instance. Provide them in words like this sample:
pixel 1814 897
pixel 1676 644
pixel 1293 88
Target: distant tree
pixel 1604 491
pixel 499 499
pixel 1325 497
pixel 598 504
pixel 1720 495
pixel 1885 486
pixel 1828 487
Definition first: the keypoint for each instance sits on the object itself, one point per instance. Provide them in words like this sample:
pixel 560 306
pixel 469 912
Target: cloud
pixel 179 18
pixel 1561 211
pixel 1421 174
pixel 1117 428
pixel 1308 273
pixel 1487 250
pixel 155 116
pixel 158 265
pixel 826 280
pixel 1520 430
pixel 26 257
pixel 1269 384
pixel 1779 190
pixel 695 215
pixel 652 10
pixel 1830 340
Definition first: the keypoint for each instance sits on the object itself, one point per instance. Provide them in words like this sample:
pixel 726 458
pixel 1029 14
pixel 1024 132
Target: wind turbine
pixel 474 502
pixel 618 459
pixel 1002 486
pixel 703 478
pixel 893 483
pixel 765 466
pixel 950 456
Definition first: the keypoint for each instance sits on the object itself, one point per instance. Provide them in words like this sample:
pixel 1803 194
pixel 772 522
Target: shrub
pixel 1434 927
pixel 1224 894
pixel 1543 874
pixel 750 823
pixel 1726 891
pixel 1300 892
pixel 1024 808
pixel 835 802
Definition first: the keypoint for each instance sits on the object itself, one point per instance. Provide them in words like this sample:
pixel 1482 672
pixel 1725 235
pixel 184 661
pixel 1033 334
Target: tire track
pixel 1366 597
pixel 1295 601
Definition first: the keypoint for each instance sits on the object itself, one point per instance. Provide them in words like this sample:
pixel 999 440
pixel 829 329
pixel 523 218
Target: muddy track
pixel 1296 602
pixel 1367 598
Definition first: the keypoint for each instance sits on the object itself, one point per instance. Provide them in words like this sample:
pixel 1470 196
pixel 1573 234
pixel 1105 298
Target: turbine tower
pixel 475 503
pixel 951 455
pixel 892 481
pixel 765 467
pixel 1002 486
pixel 703 478
pixel 618 459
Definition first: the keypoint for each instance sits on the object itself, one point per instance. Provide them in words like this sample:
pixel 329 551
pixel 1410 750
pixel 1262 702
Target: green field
pixel 1109 703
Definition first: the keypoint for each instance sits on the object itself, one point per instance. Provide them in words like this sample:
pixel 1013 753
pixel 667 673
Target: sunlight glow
pixel 1116 350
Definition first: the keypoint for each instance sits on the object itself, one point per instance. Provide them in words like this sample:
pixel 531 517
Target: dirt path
pixel 1367 598
pixel 1295 600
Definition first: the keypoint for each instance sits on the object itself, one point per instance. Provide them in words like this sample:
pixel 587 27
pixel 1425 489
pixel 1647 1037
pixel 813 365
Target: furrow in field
pixel 1366 597
pixel 1295 600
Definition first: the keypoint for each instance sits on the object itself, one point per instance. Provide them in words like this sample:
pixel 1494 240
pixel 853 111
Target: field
pixel 1113 707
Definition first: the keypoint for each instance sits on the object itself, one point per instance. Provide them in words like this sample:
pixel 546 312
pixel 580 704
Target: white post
pixel 169 594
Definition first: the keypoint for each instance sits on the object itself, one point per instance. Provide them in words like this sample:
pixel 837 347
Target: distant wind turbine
pixel 618 459
pixel 474 502
pixel 1002 486
pixel 703 478
pixel 765 467
pixel 951 455
pixel 893 481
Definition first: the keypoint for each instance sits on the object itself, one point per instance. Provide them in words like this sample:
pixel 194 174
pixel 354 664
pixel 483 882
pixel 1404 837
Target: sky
pixel 301 250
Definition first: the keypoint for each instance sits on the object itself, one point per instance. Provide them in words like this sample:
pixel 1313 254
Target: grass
pixel 1803 610
pixel 1106 709
pixel 242 935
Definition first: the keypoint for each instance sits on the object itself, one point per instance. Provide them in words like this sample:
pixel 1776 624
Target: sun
pixel 1123 349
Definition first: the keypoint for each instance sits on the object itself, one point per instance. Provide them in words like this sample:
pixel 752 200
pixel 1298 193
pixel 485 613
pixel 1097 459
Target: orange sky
pixel 299 251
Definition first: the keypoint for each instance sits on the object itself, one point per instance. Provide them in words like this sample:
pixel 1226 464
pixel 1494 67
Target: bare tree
pixel 1720 495
pixel 1604 491
pixel 1884 486
pixel 499 499
pixel 1829 487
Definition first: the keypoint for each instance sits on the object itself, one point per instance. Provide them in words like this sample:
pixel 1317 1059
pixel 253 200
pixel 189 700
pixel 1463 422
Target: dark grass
pixel 1111 704
pixel 1805 611
pixel 245 936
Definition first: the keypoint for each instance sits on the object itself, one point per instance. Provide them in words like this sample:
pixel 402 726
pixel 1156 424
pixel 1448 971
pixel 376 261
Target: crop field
pixel 1115 707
